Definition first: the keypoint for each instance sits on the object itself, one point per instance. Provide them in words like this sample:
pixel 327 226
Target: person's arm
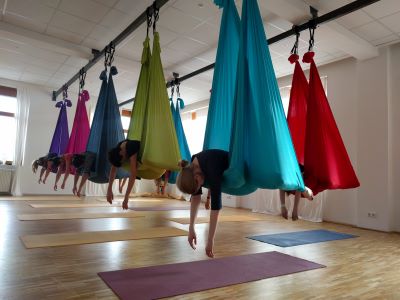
pixel 211 232
pixel 113 173
pixel 132 178
pixel 194 207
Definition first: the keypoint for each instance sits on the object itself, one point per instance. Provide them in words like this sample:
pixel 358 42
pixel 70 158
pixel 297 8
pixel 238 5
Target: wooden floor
pixel 367 267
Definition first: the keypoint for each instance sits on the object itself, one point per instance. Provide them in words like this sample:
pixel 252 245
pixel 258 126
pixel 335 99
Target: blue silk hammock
pixel 261 150
pixel 180 133
pixel 60 138
pixel 106 130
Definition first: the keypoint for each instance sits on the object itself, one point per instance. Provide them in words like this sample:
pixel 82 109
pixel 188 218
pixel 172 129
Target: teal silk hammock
pixel 180 133
pixel 261 150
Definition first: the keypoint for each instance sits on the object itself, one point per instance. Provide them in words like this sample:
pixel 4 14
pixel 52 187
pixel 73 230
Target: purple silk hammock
pixel 61 136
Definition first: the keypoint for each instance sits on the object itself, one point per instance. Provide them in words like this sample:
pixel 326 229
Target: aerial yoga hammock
pixel 180 133
pixel 326 162
pixel 151 118
pixel 106 131
pixel 77 140
pixel 60 139
pixel 260 148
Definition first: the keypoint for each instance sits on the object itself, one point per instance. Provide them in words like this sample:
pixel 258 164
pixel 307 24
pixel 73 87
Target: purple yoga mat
pixel 177 279
pixel 158 208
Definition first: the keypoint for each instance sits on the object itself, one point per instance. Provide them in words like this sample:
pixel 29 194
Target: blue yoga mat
pixel 301 237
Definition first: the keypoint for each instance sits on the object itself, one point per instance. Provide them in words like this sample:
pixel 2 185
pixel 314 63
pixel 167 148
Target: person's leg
pixel 49 167
pixel 85 177
pixel 297 196
pixel 59 172
pixel 68 165
pixel 284 211
pixel 76 179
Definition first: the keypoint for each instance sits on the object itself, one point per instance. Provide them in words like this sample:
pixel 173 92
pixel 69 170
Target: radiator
pixel 6 175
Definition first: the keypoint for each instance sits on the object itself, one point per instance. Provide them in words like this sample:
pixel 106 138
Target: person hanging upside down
pixel 207 168
pixel 83 163
pixel 125 151
pixel 308 194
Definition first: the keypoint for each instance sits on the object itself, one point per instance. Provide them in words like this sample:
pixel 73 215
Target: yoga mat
pixel 89 237
pixel 158 208
pixel 233 218
pixel 64 216
pixel 41 198
pixel 182 278
pixel 74 205
pixel 301 237
pixel 131 200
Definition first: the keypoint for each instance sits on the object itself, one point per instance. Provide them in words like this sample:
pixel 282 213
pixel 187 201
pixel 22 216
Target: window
pixel 8 126
pixel 194 124
pixel 125 118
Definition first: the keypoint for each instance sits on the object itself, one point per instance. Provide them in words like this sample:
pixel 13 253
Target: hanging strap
pixel 149 20
pixel 312 31
pixel 295 48
pixel 156 15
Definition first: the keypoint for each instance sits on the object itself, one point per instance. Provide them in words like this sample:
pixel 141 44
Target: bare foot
pixel 295 217
pixel 284 212
pixel 55 187
pixel 125 204
pixel 63 185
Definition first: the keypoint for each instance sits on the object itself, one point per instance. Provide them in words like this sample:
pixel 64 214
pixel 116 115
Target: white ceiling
pixel 45 42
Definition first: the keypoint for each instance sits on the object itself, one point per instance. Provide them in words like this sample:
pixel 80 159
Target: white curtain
pixel 23 104
pixel 268 202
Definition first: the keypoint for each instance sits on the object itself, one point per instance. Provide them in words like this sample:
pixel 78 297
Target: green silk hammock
pixel 151 118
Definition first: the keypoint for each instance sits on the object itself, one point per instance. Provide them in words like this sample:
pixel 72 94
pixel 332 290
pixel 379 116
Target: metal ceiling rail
pixel 100 54
pixel 334 14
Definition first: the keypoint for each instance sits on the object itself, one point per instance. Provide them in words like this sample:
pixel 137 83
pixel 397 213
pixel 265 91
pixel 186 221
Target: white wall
pixel 394 127
pixel 41 124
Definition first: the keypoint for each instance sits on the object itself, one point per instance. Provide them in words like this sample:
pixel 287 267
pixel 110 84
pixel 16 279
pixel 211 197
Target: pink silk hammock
pixel 80 132
pixel 326 163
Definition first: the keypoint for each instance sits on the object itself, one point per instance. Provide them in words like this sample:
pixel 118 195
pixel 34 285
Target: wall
pixel 394 126
pixel 41 123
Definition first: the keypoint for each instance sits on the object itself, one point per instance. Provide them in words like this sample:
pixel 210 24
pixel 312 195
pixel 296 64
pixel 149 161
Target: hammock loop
pixel 172 92
pixel 313 26
pixel 156 15
pixel 149 15
pixel 82 77
pixel 295 48
pixel 65 92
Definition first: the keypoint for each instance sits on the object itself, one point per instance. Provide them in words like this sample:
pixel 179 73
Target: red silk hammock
pixel 327 165
pixel 297 112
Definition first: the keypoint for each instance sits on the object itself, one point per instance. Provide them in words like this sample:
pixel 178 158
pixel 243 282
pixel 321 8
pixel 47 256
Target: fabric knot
pixel 308 57
pixel 113 70
pixel 293 58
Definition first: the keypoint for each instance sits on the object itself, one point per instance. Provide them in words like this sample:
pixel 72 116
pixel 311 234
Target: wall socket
pixel 372 214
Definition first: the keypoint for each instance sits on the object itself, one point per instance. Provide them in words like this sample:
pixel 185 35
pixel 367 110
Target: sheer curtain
pixel 23 105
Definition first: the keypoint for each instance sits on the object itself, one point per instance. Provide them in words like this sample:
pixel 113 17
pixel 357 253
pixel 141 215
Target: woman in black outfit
pixel 206 169
pixel 125 151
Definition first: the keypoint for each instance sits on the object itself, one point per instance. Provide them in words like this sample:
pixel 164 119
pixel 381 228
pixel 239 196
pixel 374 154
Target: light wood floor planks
pixel 82 215
pixel 362 268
